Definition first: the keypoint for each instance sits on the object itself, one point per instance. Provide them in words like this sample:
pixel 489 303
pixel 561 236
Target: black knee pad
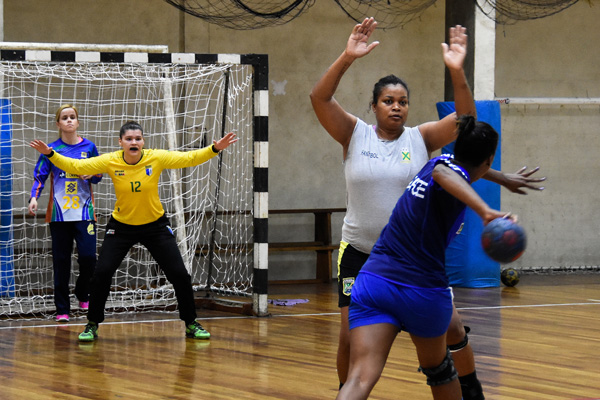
pixel 471 387
pixel 443 373
pixel 462 344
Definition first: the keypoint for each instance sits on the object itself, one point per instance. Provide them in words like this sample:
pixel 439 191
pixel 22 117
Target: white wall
pixel 554 57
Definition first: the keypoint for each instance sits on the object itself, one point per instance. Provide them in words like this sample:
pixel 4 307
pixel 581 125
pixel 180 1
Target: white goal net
pixel 181 106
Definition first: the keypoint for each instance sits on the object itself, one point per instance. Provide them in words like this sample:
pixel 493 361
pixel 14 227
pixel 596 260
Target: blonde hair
pixel 61 109
pixel 64 107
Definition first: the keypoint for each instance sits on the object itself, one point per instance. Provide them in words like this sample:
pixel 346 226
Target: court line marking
pixel 529 306
pixel 55 325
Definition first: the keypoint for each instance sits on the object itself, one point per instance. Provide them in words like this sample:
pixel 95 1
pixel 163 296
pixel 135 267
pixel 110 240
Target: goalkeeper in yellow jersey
pixel 138 217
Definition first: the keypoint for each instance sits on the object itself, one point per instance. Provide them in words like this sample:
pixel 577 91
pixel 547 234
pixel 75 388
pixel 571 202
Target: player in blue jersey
pixel 403 285
pixel 70 212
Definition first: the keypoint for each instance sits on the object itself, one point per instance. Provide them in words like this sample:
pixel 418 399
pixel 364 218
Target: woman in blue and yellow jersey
pixel 138 217
pixel 70 211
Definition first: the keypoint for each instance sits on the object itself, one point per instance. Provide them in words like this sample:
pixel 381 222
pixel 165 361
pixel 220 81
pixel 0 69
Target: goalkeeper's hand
pixel 225 141
pixel 41 147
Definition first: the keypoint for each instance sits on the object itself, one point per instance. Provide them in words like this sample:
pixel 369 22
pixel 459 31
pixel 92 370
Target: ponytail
pixel 476 141
pixel 466 124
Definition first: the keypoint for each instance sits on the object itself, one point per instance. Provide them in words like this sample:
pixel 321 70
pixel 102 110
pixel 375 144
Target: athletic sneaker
pixel 62 318
pixel 84 305
pixel 90 333
pixel 196 331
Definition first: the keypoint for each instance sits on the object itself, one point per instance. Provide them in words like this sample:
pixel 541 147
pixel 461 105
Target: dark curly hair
pixel 476 141
pixel 385 81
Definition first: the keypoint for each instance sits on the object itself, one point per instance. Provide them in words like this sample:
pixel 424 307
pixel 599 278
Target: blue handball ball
pixel 503 240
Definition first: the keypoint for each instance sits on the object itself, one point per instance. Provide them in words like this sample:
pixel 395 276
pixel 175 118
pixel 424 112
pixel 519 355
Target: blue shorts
pixel 423 312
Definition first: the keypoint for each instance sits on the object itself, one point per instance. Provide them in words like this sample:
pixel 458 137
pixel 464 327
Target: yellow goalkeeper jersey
pixel 136 186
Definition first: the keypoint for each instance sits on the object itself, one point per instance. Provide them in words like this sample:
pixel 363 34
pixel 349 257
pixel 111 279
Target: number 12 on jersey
pixel 135 186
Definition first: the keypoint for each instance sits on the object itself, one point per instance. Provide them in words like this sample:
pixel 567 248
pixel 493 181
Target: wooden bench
pixel 322 243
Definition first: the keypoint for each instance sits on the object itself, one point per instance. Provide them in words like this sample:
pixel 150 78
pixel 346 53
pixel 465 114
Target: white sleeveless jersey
pixel 377 171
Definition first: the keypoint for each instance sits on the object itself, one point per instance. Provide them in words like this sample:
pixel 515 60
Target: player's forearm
pixel 183 159
pixel 39 179
pixel 89 166
pixel 495 176
pixel 461 189
pixel 203 155
pixel 463 96
pixel 326 87
pixel 37 187
pixel 41 172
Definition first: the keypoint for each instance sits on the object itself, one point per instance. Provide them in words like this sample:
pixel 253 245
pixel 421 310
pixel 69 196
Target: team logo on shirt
pixel 347 284
pixel 405 155
pixel 71 187
pixel 417 186
pixel 119 172
pixel 149 170
pixel 83 154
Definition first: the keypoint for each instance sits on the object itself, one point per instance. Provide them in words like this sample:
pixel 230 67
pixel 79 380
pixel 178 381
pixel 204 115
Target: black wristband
pixel 214 149
pixel 51 153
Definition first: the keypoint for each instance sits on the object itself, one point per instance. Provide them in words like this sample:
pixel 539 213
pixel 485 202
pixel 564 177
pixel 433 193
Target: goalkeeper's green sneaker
pixel 196 331
pixel 90 333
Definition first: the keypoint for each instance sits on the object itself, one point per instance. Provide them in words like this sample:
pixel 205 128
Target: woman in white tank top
pixel 380 160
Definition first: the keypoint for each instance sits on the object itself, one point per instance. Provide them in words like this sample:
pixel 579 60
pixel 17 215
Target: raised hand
pixel 225 141
pixel 41 147
pixel 455 51
pixel 358 42
pixel 522 179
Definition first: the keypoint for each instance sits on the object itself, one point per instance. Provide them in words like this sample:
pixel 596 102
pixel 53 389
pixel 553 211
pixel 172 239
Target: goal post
pixel 180 231
pixel 183 101
pixel 7 283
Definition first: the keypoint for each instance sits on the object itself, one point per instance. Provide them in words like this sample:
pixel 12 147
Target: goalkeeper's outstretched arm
pixel 86 166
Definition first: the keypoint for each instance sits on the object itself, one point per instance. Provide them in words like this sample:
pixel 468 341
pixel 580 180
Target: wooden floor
pixel 539 340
